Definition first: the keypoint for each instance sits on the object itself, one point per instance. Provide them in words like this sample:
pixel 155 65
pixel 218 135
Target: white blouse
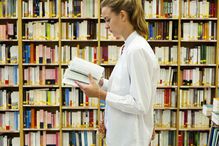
pixel 130 92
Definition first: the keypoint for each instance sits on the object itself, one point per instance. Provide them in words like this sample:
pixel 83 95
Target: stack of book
pixel 207 109
pixel 215 113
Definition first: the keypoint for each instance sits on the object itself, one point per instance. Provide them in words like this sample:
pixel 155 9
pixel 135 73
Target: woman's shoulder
pixel 140 43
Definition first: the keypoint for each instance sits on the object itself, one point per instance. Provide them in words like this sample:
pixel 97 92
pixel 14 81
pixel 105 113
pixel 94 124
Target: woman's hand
pixel 92 89
pixel 101 82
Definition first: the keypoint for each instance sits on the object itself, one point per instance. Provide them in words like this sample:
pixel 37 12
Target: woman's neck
pixel 127 32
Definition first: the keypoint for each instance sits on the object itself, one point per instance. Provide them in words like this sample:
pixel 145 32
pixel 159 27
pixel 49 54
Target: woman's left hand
pixel 92 89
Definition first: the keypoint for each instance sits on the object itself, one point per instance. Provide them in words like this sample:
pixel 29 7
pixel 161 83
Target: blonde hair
pixel 134 10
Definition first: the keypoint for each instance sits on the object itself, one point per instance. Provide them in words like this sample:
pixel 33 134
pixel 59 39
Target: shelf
pixel 79 108
pixel 9 86
pixel 45 106
pixel 199 87
pixel 79 40
pixel 194 129
pixel 112 41
pixel 198 65
pixel 167 65
pixel 162 41
pixel 40 18
pixel 79 129
pixel 14 40
pixel 40 86
pixel 9 64
pixel 107 65
pixel 9 110
pixel 39 64
pixel 164 87
pixel 50 129
pixel 165 108
pixel 161 19
pixel 30 41
pixel 78 18
pixel 8 131
pixel 199 41
pixel 190 108
pixel 199 19
pixel 8 18
pixel 164 129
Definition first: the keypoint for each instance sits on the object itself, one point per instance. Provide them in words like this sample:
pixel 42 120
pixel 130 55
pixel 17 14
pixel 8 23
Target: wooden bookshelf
pixel 103 41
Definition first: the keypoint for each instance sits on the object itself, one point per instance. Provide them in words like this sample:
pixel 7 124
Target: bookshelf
pixel 48 25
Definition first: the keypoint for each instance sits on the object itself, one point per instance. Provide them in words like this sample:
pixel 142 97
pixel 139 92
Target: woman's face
pixel 113 21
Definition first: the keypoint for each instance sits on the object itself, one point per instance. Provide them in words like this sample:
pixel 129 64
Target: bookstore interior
pixel 40 38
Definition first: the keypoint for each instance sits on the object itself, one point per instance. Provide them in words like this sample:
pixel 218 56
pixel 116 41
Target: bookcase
pixel 38 38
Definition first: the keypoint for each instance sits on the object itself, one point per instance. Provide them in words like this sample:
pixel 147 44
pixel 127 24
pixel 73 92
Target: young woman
pixel 132 85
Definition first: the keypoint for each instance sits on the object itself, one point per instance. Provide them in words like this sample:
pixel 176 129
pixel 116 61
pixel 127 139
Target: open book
pixel 79 69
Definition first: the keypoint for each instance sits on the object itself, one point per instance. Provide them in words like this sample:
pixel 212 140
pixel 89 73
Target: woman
pixel 132 85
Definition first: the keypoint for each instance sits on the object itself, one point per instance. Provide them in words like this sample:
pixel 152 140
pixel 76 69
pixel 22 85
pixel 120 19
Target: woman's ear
pixel 123 15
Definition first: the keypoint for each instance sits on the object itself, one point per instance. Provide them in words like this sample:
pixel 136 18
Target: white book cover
pixel 79 69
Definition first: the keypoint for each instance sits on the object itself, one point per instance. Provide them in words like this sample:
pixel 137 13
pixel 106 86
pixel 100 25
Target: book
pixel 78 70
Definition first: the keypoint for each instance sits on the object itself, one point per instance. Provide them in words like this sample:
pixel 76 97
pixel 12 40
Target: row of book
pixel 79 8
pixel 165 98
pixel 12 141
pixel 41 138
pixel 88 53
pixel 168 76
pixel 165 9
pixel 195 97
pixel 9 75
pixel 41 97
pixel 8 8
pixel 170 9
pixel 86 8
pixel 79 30
pixel 199 9
pixel 72 8
pixel 8 54
pixel 74 97
pixel 86 138
pixel 163 30
pixel 8 31
pixel 193 119
pixel 165 119
pixel 41 30
pixel 193 138
pixel 44 54
pixel 41 119
pixel 9 99
pixel 40 75
pixel 198 76
pixel 87 30
pixel 198 55
pixel 202 54
pixel 10 121
pixel 79 119
pixel 166 54
pixel 110 54
pixel 40 54
pixel 164 138
pixel 199 30
pixel 37 8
